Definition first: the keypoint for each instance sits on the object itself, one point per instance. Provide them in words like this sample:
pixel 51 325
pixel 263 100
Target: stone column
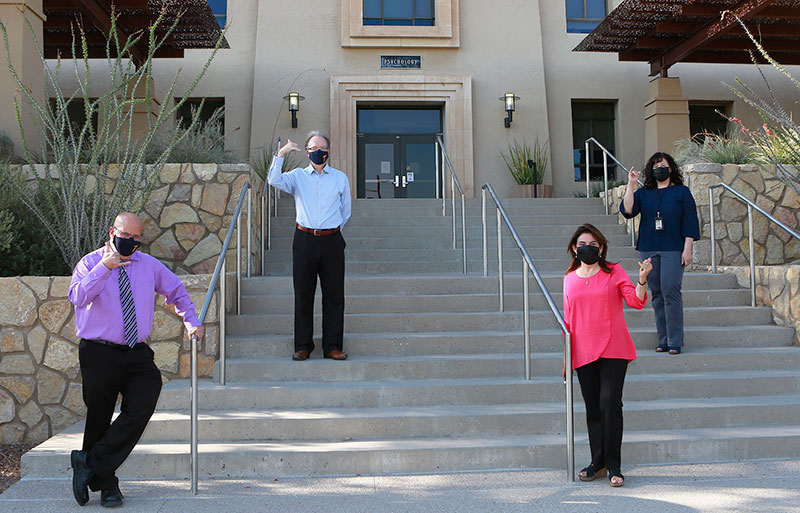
pixel 26 62
pixel 666 117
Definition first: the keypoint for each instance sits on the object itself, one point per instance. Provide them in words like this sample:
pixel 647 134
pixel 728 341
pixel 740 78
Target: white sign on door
pixel 386 167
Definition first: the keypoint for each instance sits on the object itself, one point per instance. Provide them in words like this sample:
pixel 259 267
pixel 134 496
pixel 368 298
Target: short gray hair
pixel 316 133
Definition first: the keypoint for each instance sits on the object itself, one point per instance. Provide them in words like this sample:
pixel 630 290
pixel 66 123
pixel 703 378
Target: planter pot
pixel 526 191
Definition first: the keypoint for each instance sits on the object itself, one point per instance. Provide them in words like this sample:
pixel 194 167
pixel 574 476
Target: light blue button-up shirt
pixel 322 200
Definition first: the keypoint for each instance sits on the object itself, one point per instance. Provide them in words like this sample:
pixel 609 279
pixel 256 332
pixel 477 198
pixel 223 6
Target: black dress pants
pixel 601 384
pixel 108 371
pixel 321 256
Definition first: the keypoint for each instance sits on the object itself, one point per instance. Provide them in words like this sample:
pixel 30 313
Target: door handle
pixel 396 181
pixel 405 181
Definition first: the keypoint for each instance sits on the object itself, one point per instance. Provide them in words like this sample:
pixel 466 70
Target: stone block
pixel 170 173
pixel 38 434
pixel 73 401
pixel 206 266
pixel 11 340
pixel 20 386
pixel 793 279
pixel 731 209
pixel 754 178
pixel 31 414
pixel 39 284
pixel 205 172
pixel 17 303
pixel 150 229
pixel 729 173
pixel 211 342
pixel 7 407
pixel 54 313
pixel 791 199
pixel 189 234
pixel 223 177
pixel 166 355
pixel 156 200
pixel 703 167
pixel 50 387
pixel 701 252
pixel 177 213
pixel 236 190
pixel 760 227
pixel 180 192
pixel 765 203
pixel 744 188
pixel 165 325
pixel 197 195
pixel 212 222
pixel 60 418
pixel 735 231
pixel 166 247
pixel 60 286
pixel 16 364
pixel 198 298
pixel 37 338
pixel 68 332
pixel 773 189
pixel 205 249
pixel 214 198
pixel 205 366
pixel 12 433
pixel 775 283
pixel 786 216
pixel 774 250
pixel 62 356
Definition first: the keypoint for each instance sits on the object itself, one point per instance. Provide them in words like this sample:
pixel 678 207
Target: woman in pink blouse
pixel 601 344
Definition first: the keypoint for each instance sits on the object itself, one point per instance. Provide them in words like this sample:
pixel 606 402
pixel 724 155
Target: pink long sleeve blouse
pixel 594 316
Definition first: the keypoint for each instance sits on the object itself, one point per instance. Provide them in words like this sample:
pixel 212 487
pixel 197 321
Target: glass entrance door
pixel 401 164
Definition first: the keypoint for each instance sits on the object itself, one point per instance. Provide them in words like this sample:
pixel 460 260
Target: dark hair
pixel 598 236
pixel 675 176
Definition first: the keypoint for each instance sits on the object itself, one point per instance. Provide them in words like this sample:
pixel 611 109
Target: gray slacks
pixel 665 281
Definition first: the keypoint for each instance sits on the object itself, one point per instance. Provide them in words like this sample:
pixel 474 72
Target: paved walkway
pixel 761 486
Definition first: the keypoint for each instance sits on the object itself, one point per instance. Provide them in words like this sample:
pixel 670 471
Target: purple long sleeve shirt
pixel 94 291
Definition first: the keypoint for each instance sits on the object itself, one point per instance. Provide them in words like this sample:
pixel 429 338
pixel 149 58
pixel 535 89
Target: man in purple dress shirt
pixel 113 290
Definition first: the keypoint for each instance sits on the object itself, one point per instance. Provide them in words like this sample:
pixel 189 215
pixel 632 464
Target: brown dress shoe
pixel 300 355
pixel 336 355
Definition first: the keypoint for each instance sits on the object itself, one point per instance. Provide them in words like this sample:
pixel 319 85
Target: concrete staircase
pixel 434 381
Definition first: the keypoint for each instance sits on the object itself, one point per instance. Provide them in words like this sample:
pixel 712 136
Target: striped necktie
pixel 128 308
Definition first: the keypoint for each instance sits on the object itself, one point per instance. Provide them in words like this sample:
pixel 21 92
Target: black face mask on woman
pixel 588 254
pixel 660 173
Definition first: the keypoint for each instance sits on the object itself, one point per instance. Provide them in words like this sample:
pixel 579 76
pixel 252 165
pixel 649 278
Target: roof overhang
pixel 197 27
pixel 665 32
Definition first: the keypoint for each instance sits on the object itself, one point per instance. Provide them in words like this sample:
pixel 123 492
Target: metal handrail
pixel 607 154
pixel 454 183
pixel 750 207
pixel 527 268
pixel 237 222
pixel 266 212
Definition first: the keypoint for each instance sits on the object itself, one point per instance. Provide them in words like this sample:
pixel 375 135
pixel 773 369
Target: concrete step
pixel 485 342
pixel 272 304
pixel 392 455
pixel 283 324
pixel 457 283
pixel 543 217
pixel 443 229
pixel 510 365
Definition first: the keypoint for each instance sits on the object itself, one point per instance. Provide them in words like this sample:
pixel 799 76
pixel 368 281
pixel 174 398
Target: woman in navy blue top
pixel 667 229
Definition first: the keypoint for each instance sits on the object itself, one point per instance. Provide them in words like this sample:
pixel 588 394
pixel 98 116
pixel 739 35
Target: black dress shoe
pixel 81 475
pixel 111 497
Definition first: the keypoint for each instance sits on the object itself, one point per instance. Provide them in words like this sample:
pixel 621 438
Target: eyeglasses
pixel 315 148
pixel 126 235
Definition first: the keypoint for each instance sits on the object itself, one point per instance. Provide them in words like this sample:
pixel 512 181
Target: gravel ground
pixel 10 456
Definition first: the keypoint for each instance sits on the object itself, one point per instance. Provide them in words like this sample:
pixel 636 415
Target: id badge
pixel 659 223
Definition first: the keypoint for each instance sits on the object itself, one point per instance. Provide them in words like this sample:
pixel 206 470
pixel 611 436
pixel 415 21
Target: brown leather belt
pixel 318 233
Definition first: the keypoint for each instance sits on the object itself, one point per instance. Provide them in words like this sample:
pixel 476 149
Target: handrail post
pixel 713 238
pixel 263 233
pixel 440 150
pixel 436 174
pixel 453 207
pixel 633 233
pixel 587 167
pixel 269 215
pixel 752 256
pixel 570 408
pixel 500 260
pixel 485 234
pixel 239 265
pixel 605 180
pixel 223 310
pixel 464 231
pixel 249 225
pixel 526 316
pixel 194 463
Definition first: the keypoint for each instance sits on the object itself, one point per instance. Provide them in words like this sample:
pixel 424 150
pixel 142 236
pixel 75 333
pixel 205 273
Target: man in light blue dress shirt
pixel 322 201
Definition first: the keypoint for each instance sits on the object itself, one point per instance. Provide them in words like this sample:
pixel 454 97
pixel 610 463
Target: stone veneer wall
pixel 773 245
pixel 185 223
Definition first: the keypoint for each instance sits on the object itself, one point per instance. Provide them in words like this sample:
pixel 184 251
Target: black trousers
pixel 108 371
pixel 314 256
pixel 601 384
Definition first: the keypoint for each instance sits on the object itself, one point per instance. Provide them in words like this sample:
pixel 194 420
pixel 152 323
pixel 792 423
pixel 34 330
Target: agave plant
pixel 520 155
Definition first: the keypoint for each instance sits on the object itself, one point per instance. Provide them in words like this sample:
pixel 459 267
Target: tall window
pixel 592 119
pixel 184 113
pixel 399 12
pixel 584 15
pixel 219 8
pixel 704 119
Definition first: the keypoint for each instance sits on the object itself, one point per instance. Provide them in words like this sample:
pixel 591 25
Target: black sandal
pixel 616 484
pixel 591 473
pixel 674 350
pixel 661 348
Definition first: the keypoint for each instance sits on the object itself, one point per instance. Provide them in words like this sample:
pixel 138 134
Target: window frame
pixel 443 34
pixel 413 18
pixel 585 18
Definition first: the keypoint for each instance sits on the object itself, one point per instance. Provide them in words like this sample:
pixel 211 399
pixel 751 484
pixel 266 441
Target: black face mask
pixel 588 254
pixel 660 173
pixel 318 157
pixel 125 247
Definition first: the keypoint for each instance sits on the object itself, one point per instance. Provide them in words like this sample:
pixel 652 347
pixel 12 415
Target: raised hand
pixel 633 175
pixel 644 269
pixel 288 148
pixel 112 259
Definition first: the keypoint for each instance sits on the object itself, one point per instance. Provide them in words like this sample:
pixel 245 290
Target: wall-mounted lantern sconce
pixel 509 99
pixel 294 105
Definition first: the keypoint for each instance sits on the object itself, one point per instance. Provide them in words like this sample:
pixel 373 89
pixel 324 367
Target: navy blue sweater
pixel 678 212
